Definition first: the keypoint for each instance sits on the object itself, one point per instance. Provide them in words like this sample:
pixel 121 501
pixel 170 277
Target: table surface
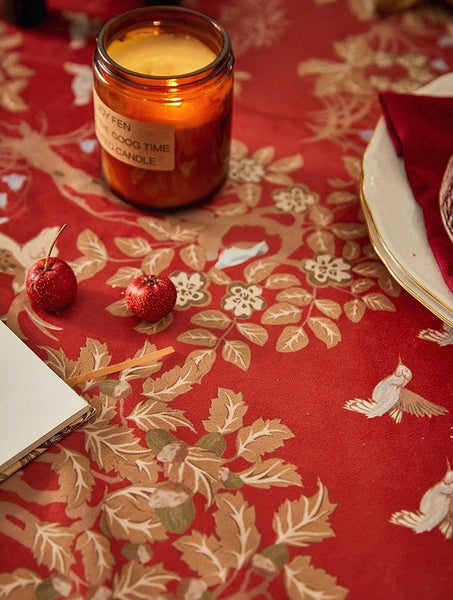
pixel 243 465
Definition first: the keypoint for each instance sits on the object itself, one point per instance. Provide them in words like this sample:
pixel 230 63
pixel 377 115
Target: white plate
pixel 395 220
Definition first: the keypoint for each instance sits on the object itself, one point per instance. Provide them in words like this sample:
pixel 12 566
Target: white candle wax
pixel 150 52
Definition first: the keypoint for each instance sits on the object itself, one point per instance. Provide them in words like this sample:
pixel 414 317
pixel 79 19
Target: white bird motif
pixel 391 396
pixel 436 509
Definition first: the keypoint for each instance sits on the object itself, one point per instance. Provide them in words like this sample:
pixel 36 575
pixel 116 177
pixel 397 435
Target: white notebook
pixel 37 408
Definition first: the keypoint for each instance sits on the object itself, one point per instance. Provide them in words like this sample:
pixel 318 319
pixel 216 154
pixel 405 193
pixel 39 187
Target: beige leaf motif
pixel 87 266
pixel 111 444
pixel 250 194
pixel 340 197
pixel 321 215
pixel 123 276
pixel 322 242
pixel 369 268
pixel 281 313
pixel 153 414
pixel 74 476
pixel 354 309
pixel 292 339
pixel 261 437
pixel 96 556
pixel 349 231
pixel 295 295
pixel 281 281
pixel 129 516
pixel 211 318
pixel 264 155
pixel 226 412
pixel 235 515
pixel 389 285
pixel 304 521
pixel 119 308
pixel 361 285
pixel 200 472
pixel 328 307
pixel 269 473
pixel 138 582
pixel 179 380
pixel 219 277
pixel 90 244
pixel 204 555
pixel 135 247
pixel 19 584
pixel 305 582
pixel 287 164
pixel 325 330
pixel 238 353
pixel 60 363
pixel 157 261
pixel 198 337
pixel 93 356
pixel 259 270
pixel 194 257
pixel 253 332
pixel 377 301
pixel 52 546
pixel 351 250
pixel 159 229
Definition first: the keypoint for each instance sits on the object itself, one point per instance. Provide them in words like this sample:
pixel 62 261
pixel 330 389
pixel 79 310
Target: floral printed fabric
pixel 297 444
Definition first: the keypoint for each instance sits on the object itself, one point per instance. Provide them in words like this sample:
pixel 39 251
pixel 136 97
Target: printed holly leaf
pixel 211 318
pixel 204 555
pixel 260 438
pixel 253 332
pixel 281 313
pixel 74 476
pixel 19 584
pixel 292 339
pixel 200 472
pixel 135 247
pixel 52 546
pixel 259 270
pixel 304 521
pixel 129 516
pixel 272 472
pixel 236 529
pixel 325 330
pixel 226 412
pixel 194 257
pixel 354 310
pixel 138 582
pixel 158 415
pixel 238 353
pixel 179 380
pixel 305 582
pixel 97 558
pixel 157 261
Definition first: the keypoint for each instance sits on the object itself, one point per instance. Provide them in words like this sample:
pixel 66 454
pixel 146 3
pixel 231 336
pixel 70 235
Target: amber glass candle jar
pixel 163 89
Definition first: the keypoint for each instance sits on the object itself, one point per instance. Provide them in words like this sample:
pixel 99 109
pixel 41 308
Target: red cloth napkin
pixel 421 128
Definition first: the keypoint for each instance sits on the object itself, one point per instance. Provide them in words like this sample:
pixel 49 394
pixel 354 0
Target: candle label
pixel 137 143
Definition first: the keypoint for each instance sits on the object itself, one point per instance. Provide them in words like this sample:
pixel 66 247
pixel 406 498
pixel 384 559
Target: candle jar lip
pixel 164 17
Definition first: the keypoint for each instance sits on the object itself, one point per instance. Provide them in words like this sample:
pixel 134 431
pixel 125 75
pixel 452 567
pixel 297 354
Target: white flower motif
pixel 189 288
pixel 325 268
pixel 296 198
pixel 243 299
pixel 246 170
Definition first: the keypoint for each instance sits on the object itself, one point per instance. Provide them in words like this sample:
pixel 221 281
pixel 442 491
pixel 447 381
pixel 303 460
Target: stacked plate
pixel 395 220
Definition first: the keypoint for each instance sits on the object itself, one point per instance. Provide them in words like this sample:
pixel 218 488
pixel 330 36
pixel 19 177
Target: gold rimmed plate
pixel 395 220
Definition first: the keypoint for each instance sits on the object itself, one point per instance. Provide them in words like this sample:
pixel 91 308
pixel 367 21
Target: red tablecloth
pixel 246 464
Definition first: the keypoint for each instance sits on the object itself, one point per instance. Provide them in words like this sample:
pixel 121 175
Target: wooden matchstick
pixel 126 364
